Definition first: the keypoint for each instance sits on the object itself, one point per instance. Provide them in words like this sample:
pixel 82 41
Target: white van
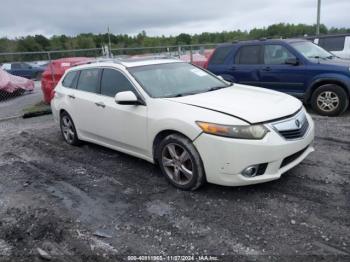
pixel 339 45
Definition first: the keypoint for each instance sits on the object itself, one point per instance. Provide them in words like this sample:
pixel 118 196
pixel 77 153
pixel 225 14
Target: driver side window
pixel 276 55
pixel 113 82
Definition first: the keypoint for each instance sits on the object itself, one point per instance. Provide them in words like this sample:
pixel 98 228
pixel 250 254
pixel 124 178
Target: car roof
pixel 128 62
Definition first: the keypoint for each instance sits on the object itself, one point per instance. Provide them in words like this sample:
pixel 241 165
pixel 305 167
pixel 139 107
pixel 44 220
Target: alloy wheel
pixel 177 163
pixel 328 101
pixel 68 129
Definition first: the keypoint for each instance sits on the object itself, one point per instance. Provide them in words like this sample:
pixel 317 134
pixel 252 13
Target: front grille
pixel 295 133
pixel 291 158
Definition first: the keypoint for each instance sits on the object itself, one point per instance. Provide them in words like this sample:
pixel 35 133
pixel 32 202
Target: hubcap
pixel 328 101
pixel 67 129
pixel 177 163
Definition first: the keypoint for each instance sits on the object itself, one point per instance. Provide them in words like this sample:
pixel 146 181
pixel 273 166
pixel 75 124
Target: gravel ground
pixel 88 203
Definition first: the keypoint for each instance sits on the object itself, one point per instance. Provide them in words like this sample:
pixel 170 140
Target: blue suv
pixel 294 66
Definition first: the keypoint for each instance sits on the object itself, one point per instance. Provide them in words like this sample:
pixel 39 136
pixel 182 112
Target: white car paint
pixel 132 129
pixel 345 53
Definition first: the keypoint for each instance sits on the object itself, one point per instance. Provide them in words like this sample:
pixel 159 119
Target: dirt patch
pixel 90 203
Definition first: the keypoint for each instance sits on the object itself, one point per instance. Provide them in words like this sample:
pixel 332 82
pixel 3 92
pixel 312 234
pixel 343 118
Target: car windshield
pixel 175 79
pixel 310 50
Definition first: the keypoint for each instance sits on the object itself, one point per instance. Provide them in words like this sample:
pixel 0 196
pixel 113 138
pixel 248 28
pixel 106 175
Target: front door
pixel 276 74
pixel 123 126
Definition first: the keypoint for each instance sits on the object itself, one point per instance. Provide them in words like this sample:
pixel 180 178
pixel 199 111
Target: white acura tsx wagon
pixel 196 126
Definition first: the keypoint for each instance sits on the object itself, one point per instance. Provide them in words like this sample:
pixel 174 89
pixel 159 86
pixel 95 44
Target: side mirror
pixel 292 61
pixel 127 98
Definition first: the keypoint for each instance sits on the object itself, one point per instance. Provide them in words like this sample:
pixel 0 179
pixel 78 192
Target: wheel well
pixel 159 137
pixel 326 82
pixel 63 111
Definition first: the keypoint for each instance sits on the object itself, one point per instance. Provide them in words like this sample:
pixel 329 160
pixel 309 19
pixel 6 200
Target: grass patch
pixel 37 109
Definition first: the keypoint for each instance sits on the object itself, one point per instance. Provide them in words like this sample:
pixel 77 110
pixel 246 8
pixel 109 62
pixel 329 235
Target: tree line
pixel 89 40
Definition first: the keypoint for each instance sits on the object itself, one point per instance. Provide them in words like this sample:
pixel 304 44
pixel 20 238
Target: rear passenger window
pixel 70 79
pixel 249 55
pixel 332 43
pixel 114 82
pixel 220 54
pixel 89 80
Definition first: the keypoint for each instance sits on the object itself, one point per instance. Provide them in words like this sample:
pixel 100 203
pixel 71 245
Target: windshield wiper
pixel 218 87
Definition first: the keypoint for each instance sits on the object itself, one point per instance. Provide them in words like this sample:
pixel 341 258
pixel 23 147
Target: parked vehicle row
pixel 294 66
pixel 195 125
pixel 13 85
pixel 23 69
pixel 339 45
pixel 54 71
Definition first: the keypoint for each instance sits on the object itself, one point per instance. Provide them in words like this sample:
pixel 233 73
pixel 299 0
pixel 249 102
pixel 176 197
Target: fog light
pixel 250 171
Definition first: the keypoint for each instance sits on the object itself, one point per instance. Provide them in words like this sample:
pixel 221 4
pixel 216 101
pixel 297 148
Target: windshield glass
pixel 310 50
pixel 175 79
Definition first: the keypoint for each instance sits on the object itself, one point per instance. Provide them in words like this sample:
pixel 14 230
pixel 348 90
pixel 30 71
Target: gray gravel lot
pixel 90 203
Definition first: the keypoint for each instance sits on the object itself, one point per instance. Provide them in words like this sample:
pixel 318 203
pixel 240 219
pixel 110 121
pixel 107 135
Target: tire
pixel 183 170
pixel 329 100
pixel 68 130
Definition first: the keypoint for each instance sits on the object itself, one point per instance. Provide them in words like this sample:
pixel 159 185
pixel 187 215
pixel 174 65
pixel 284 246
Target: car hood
pixel 251 104
pixel 333 61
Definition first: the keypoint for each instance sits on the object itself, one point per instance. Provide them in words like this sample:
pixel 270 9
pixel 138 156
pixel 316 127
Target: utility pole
pixel 109 44
pixel 318 17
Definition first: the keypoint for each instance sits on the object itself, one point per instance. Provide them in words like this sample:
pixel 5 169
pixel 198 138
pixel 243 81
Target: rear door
pixel 83 101
pixel 246 65
pixel 277 75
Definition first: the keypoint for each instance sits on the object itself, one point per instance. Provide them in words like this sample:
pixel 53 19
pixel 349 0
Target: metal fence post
pixel 191 54
pixel 51 67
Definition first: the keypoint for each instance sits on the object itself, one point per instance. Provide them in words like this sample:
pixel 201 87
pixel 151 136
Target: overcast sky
pixel 160 17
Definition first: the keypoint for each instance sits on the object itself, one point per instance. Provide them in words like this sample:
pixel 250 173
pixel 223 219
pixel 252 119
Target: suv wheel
pixel 68 130
pixel 329 100
pixel 180 162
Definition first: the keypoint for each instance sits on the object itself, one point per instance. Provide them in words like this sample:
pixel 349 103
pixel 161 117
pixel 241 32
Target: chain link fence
pixel 21 93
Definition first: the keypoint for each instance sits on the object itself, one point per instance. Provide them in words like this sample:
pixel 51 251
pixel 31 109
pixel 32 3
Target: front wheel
pixel 180 162
pixel 330 100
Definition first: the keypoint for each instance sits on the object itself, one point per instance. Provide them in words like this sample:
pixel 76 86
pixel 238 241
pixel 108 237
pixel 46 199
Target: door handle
pixel 266 68
pixel 233 68
pixel 100 104
pixel 71 96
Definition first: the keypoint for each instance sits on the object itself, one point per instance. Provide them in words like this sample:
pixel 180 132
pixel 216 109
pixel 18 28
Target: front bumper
pixel 225 158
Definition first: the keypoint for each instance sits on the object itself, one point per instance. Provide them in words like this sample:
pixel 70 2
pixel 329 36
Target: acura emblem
pixel 297 123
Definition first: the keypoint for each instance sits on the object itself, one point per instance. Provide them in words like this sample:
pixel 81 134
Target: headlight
pixel 241 132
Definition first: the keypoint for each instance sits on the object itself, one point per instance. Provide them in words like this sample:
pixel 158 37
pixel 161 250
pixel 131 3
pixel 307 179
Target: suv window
pixel 25 66
pixel 248 55
pixel 114 82
pixel 332 43
pixel 220 54
pixel 70 79
pixel 276 54
pixel 16 66
pixel 89 80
